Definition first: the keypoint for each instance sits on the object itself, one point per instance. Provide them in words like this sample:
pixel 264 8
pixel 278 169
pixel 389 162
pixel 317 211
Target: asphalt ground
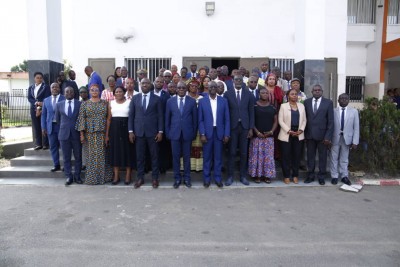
pixel 54 225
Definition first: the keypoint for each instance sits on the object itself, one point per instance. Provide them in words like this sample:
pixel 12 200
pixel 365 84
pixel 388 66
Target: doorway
pixel 232 63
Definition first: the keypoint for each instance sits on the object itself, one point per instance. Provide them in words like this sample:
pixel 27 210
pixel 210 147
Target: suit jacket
pixel 319 125
pixel 164 98
pixel 43 92
pixel 119 82
pixel 67 124
pixel 285 121
pixel 146 124
pixel 206 122
pixel 175 123
pixel 229 84
pixel 245 111
pixel 71 83
pixel 351 129
pixel 257 96
pixel 48 114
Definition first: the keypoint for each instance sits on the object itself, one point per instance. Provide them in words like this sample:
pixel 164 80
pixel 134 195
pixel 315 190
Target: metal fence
pixel 361 11
pixel 355 88
pixel 14 109
pixel 152 65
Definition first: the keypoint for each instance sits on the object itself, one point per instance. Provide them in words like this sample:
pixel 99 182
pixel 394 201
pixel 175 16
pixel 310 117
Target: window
pixel 355 88
pixel 361 11
pixel 285 64
pixel 152 65
pixel 393 12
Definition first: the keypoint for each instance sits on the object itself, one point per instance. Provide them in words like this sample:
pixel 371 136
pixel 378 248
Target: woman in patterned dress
pixel 196 153
pixel 261 152
pixel 92 126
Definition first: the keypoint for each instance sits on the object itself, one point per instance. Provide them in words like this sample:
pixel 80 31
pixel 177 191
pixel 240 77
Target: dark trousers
pixel 238 137
pixel 68 147
pixel 291 156
pixel 54 144
pixel 181 148
pixel 141 144
pixel 165 154
pixel 312 147
pixel 212 152
pixel 37 130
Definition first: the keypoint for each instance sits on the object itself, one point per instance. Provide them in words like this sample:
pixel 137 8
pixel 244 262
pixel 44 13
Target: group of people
pixel 193 121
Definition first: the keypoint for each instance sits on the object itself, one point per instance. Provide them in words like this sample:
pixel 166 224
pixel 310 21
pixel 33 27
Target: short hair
pixel 38 73
pixel 83 88
pixel 184 68
pixel 111 76
pixel 119 87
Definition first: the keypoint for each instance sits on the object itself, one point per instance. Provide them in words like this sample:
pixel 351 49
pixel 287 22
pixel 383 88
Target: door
pixel 250 63
pixel 104 67
pixel 331 80
pixel 200 61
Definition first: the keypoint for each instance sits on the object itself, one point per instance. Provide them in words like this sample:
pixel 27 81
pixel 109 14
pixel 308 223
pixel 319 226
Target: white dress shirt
pixel 213 103
pixel 318 102
pixel 147 98
pixel 67 104
pixel 35 91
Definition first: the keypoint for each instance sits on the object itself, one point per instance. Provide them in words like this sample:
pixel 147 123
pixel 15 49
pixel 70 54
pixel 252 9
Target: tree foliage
pixel 379 137
pixel 21 67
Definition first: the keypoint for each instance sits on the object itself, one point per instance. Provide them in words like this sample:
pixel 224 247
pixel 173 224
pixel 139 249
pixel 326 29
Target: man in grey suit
pixel 318 132
pixel 346 135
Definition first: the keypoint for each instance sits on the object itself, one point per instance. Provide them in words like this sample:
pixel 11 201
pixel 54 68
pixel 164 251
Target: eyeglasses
pixel 237 79
pixel 252 81
pixel 181 87
pixel 94 90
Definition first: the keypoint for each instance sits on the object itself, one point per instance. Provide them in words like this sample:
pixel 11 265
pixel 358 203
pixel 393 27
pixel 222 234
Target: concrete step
pixel 35 161
pixel 30 172
pixel 41 152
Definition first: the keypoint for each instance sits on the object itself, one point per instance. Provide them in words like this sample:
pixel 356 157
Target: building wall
pixel 7 85
pixel 356 60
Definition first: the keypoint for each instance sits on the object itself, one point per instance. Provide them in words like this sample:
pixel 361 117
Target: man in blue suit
pixel 181 129
pixel 36 94
pixel 318 133
pixel 214 128
pixel 146 126
pixel 94 78
pixel 67 112
pixel 241 110
pixel 50 127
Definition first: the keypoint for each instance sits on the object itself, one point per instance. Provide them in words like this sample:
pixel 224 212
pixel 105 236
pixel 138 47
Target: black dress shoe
pixel 321 181
pixel 78 180
pixel 346 180
pixel 37 147
pixel 308 180
pixel 334 180
pixel 177 184
pixel 56 168
pixel 138 183
pixel 206 185
pixel 229 181
pixel 127 182
pixel 188 184
pixel 155 184
pixel 45 147
pixel 69 181
pixel 115 182
pixel 219 184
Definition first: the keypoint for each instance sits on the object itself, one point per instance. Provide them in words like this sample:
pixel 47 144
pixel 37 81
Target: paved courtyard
pixel 118 226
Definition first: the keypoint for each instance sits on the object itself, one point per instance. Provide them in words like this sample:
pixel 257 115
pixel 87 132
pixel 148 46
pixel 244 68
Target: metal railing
pixel 393 12
pixel 285 64
pixel 355 88
pixel 152 65
pixel 361 11
pixel 14 109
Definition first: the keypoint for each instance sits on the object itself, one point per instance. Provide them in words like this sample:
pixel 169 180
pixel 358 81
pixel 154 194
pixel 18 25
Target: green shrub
pixel 379 149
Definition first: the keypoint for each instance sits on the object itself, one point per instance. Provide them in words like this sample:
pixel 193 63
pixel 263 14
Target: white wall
pixel 393 32
pixel 7 85
pixel 356 60
pixel 392 71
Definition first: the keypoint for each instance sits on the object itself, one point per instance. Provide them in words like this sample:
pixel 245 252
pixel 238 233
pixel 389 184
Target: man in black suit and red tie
pixel 318 133
pixel 146 126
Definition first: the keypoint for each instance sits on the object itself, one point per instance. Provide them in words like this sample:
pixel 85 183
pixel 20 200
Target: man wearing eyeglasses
pixel 181 129
pixel 254 87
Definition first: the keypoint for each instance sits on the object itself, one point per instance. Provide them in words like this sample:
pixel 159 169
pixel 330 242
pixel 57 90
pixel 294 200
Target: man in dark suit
pixel 241 109
pixel 36 94
pixel 124 75
pixel 164 145
pixel 50 127
pixel 254 87
pixel 146 125
pixel 214 128
pixel 193 71
pixel 65 83
pixel 181 129
pixel 318 132
pixel 67 112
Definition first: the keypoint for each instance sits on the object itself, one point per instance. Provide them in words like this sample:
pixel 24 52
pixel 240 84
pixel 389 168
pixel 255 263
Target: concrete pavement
pixel 120 226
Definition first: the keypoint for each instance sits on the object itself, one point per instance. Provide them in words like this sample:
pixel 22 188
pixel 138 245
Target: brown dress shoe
pixel 138 183
pixel 155 183
pixel 286 180
pixel 295 180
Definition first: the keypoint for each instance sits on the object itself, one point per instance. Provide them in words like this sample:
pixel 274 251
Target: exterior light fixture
pixel 210 8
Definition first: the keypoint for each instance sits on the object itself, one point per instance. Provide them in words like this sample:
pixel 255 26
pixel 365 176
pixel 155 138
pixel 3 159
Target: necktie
pixel 238 96
pixel 342 120
pixel 144 103
pixel 181 105
pixel 123 82
pixel 54 102
pixel 315 106
pixel 69 109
